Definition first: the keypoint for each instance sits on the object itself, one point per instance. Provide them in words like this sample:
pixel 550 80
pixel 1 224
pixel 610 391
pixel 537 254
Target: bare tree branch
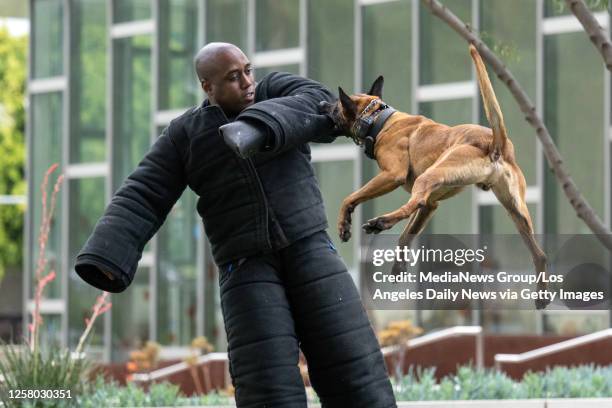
pixel 576 199
pixel 597 34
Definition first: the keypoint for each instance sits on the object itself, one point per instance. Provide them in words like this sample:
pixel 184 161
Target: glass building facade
pixel 105 77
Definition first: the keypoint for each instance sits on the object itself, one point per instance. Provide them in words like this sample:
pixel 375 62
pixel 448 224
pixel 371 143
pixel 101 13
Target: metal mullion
pixel 47 85
pixel 446 91
pixel 359 163
pixel 540 319
pixel 285 56
pixel 108 319
pixel 607 146
pixel 251 29
pixel 570 24
pixel 415 56
pixel 303 28
pixel 201 242
pixel 132 28
pixel 154 269
pixel 28 242
pixel 65 210
pixel 606 127
pixel 477 315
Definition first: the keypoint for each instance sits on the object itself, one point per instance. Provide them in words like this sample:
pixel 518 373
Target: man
pixel 282 283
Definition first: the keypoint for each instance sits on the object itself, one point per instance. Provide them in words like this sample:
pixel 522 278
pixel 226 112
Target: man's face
pixel 232 85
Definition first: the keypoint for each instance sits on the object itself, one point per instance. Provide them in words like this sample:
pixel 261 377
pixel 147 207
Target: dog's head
pixel 348 110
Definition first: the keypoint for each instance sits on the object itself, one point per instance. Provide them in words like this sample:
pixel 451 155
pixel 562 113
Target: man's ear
pixel 377 86
pixel 206 86
pixel 349 107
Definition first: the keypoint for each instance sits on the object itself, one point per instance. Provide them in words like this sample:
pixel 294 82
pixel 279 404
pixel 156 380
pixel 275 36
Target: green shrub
pixel 469 383
pixel 52 368
pixel 105 393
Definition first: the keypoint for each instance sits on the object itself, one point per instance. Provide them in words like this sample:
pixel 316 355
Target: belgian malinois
pixel 433 162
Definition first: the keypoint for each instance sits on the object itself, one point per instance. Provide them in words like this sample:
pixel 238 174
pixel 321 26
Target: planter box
pixel 524 403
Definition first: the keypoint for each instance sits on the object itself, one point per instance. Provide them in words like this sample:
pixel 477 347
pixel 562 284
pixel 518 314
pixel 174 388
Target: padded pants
pixel 300 297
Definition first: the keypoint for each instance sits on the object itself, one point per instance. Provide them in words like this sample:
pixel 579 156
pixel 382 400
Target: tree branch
pixel 555 161
pixel 597 34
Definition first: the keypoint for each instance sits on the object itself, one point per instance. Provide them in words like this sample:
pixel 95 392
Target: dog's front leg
pixel 383 183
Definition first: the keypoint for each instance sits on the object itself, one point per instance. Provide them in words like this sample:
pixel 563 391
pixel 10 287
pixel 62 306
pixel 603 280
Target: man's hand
pixel 244 138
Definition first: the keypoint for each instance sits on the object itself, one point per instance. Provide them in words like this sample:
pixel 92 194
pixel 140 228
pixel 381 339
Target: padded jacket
pixel 248 207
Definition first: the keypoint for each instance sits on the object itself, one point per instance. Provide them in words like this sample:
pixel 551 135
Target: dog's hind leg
pixel 416 223
pixel 510 191
pixel 460 166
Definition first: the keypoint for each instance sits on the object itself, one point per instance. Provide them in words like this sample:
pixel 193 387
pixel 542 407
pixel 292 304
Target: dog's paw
pixel 541 303
pixel 376 225
pixel 344 232
pixel 344 223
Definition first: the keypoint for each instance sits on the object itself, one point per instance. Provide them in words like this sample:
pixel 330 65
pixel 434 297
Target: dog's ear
pixel 377 86
pixel 350 107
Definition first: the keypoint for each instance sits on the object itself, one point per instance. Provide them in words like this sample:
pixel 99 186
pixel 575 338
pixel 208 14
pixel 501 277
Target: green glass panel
pixel 495 220
pixel 46 150
pixel 132 10
pixel 88 93
pixel 387 51
pixel 331 51
pixel 509 29
pixel 507 249
pixel 444 55
pixel 336 179
pixel 262 72
pixel 226 21
pixel 450 112
pixel 553 8
pixel 86 206
pixel 574 115
pixel 47 42
pixel 130 317
pixel 178 41
pixel 131 104
pixel 177 281
pixel 380 23
pixel 277 24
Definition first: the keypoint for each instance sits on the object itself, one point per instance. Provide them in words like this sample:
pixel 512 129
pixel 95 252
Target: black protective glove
pixel 245 138
pixel 325 108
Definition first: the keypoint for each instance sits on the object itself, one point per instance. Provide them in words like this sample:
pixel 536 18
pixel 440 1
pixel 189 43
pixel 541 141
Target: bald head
pixel 209 59
pixel 226 76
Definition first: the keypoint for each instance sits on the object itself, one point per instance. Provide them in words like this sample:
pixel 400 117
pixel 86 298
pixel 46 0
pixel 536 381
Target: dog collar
pixel 366 127
pixel 379 122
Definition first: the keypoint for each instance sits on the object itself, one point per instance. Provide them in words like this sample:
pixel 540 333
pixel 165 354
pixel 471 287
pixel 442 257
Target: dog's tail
pixel 492 109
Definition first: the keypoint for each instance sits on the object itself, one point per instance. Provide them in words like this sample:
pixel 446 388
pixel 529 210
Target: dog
pixel 433 162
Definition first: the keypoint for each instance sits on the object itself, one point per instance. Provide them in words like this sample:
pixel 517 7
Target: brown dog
pixel 433 162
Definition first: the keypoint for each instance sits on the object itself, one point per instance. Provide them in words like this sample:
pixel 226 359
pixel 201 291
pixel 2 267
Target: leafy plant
pixel 53 369
pixel 33 367
pixel 469 383
pixel 110 394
